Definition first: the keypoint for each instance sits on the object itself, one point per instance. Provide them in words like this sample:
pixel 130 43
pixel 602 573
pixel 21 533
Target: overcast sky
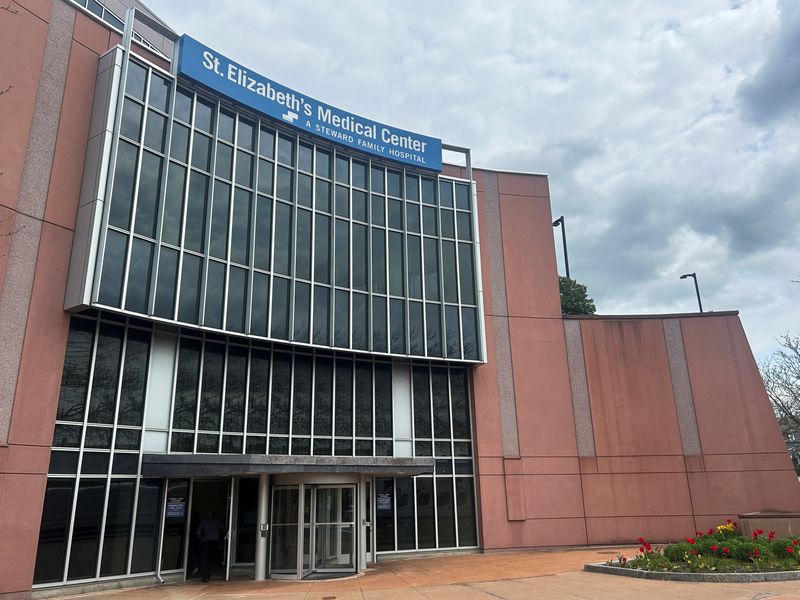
pixel 670 131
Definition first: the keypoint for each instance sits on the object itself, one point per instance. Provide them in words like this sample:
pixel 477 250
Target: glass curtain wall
pixel 221 219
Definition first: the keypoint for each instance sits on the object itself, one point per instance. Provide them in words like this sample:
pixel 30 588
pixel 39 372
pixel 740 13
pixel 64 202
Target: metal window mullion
pixel 476 257
pixel 313 394
pixel 433 454
pixel 109 470
pixel 224 393
pixel 251 249
pixel 293 248
pixel 210 218
pixel 313 250
pixel 174 392
pixel 452 455
pixel 199 393
pixel 245 420
pixel 229 229
pixel 372 366
pixel 395 511
pixel 458 288
pixel 353 405
pixel 71 529
pixel 162 196
pixel 291 400
pixel 269 395
pixel 349 258
pixel 274 206
pixel 416 512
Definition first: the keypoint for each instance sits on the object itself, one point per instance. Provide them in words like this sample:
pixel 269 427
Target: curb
pixel 696 577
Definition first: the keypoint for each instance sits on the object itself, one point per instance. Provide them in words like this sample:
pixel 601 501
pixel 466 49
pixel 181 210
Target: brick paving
pixel 546 575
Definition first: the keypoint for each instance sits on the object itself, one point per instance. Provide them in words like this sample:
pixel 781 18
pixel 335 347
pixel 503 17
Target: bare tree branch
pixel 781 375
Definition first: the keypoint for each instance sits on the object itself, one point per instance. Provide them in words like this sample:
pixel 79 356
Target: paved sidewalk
pixel 546 575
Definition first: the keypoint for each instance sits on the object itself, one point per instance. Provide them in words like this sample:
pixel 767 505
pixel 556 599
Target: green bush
pixel 743 549
pixel 676 552
pixel 779 549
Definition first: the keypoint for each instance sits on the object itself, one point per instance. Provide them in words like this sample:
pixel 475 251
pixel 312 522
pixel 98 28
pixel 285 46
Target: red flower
pixel 757 533
pixel 794 542
pixel 647 546
pixel 710 531
pixel 771 535
pixel 690 540
pixel 641 548
pixel 714 548
pixel 641 540
pixel 755 553
pixel 693 552
pixel 729 521
pixel 789 549
pixel 726 550
pixel 698 534
pixel 624 560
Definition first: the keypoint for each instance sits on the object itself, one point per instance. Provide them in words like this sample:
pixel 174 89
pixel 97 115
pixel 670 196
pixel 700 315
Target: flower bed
pixel 720 550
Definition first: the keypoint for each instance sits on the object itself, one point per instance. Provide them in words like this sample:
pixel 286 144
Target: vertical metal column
pixel 262 532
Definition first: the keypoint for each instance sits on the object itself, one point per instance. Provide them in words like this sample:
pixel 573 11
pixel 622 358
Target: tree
pixel 781 375
pixel 574 297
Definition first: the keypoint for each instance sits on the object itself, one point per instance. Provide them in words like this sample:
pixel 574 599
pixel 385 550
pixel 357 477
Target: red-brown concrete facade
pixel 597 430
pixel 586 431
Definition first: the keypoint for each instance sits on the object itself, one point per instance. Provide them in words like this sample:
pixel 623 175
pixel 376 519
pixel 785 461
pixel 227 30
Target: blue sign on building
pixel 217 72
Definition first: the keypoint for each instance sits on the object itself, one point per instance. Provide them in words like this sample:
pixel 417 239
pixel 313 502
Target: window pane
pixel 364 399
pixel 445 193
pixel 378 260
pixel 240 230
pixel 412 217
pixel 342 169
pixel 211 395
pixel 342 258
pixel 134 378
pixel 190 288
pixel 138 292
pixel 323 195
pixel 462 196
pixel 266 143
pixel 426 526
pixel 302 306
pixel 422 402
pixel 416 327
pixel 303 255
pixel 342 201
pixel 394 185
pixel 360 206
pixel 464 223
pixel 448 226
pixel 155 132
pixel 204 115
pixel 433 319
pixel 215 294
pixel 321 315
pixel 323 163
pixel 286 150
pixel 260 304
pixel 428 191
pixel 281 387
pixel 148 518
pixel 283 238
pixel 118 525
pixel 452 328
pixel 225 125
pixel 445 512
pixel 397 320
pixel 304 194
pixel 383 400
pixel 405 513
pixel 285 184
pixel 360 322
pixel 259 390
pixel 52 548
pixel 223 167
pixel 414 267
pixel 379 338
pixel 341 320
pixel 196 212
pixel 322 249
pixel 235 384
pixel 173 205
pixel 179 144
pixel 174 528
pixel 183 416
pixel 131 123
pixel 122 192
pixel 246 135
pixel 86 529
pixel 75 376
pixel 305 158
pixel 106 374
pixel 384 514
pixel 376 179
pixel 396 268
pixel 218 245
pixel 237 300
pixel 449 270
pixel 323 396
pixel 469 333
pixel 441 408
pixel 395 214
pixel 412 188
pixel 431 269
pixel 244 169
pixel 344 397
pixel 360 257
pixel 147 201
pixel 301 404
pixel 465 497
pixel 359 175
pixel 280 308
pixel 265 177
pixel 466 273
pixel 429 225
pixel 183 105
pixel 378 210
pixel 201 151
pixel 263 241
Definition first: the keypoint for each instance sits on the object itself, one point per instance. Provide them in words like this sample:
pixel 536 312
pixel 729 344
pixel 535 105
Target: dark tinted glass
pixel 183 106
pixel 434 326
pixel 414 257
pixel 383 400
pixel 322 249
pixel 138 292
pixel 360 257
pixel 305 158
pixel 134 378
pixel 237 296
pixel 303 253
pixel 379 337
pixel 344 398
pixel 416 326
pixel 190 288
pixel 281 389
pixel 86 529
pixel 449 271
pixel 452 328
pixel 218 244
pixel 263 241
pixel 260 304
pixel 396 267
pixel 259 390
pixel 323 195
pixel 183 416
pixel 179 144
pixel 173 205
pixel 75 376
pixel 359 175
pixel 113 269
pixel 246 136
pixel 360 321
pixel 280 308
pixel 323 164
pixel 394 184
pixel 342 201
pixel 426 524
pixel 244 169
pixel 304 193
pixel 301 403
pixel 131 123
pixel 395 214
pixel 302 307
pixel 464 223
pixel 342 253
pixel 469 333
pixel 462 196
pixel 106 374
pixel 225 125
pixel 122 192
pixel 376 179
pixel 422 402
pixel 196 212
pixel 235 387
pixel 118 525
pixel 201 151
pixel 441 409
pixel 155 132
pixel 223 167
pixel 363 399
pixel 283 238
pixel 378 204
pixel 52 547
pixel 341 319
pixel 321 315
pixel 204 115
pixel 165 284
pixel 397 322
pixel 429 222
pixel 445 512
pixel 148 517
pixel 405 513
pixel 384 514
pixel 378 260
pixel 465 499
pixel 175 527
pixel 159 92
pixel 211 396
pixel 412 188
pixel 265 177
pixel 323 396
pixel 215 294
pixel 286 150
pixel 240 229
pixel 448 225
pixel 266 143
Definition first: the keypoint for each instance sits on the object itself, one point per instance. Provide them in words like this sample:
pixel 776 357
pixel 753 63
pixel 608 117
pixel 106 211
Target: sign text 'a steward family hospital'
pixel 215 71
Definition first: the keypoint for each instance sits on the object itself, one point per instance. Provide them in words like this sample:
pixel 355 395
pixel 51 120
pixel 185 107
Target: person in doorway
pixel 210 532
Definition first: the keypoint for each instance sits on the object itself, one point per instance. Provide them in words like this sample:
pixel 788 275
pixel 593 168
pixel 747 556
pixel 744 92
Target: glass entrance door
pixel 313 529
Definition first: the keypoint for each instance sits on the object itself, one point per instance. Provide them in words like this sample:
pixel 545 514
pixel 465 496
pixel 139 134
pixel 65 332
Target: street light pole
pixel 556 223
pixel 696 288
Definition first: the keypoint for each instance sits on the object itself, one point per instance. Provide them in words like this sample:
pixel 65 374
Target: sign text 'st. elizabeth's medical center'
pixel 213 70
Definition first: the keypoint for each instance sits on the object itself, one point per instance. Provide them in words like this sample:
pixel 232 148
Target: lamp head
pixel 687 275
pixel 558 221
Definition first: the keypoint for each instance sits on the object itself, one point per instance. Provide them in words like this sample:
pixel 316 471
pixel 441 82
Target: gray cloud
pixel 774 90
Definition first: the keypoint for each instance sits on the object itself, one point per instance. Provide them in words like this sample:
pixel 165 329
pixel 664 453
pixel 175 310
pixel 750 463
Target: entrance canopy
pixel 209 465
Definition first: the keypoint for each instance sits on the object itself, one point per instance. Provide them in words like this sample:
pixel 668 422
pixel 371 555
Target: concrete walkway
pixel 549 575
